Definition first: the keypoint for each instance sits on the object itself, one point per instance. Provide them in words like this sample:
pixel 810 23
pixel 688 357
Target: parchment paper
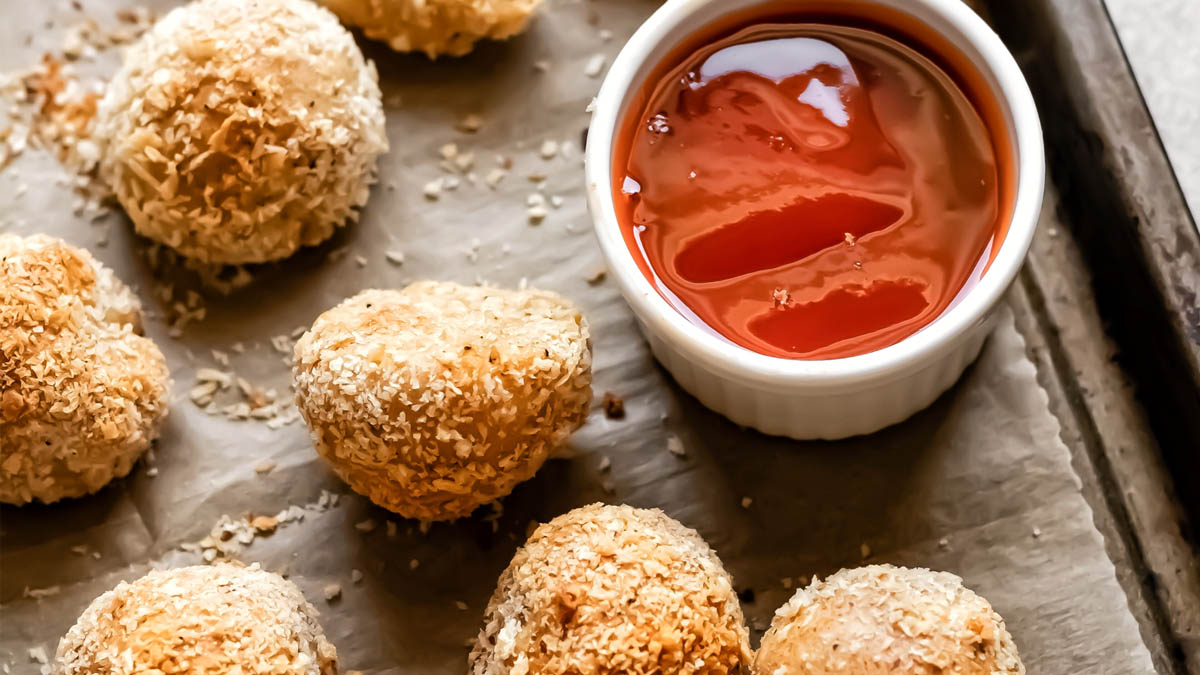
pixel 979 484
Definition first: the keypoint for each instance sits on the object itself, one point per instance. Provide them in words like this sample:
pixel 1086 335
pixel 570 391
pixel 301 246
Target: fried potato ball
pixel 438 398
pixel 203 620
pixel 885 620
pixel 238 131
pixel 608 590
pixel 436 27
pixel 81 393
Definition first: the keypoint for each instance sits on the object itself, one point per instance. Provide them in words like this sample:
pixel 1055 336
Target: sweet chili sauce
pixel 810 188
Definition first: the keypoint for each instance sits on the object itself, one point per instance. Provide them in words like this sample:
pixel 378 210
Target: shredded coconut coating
pixel 608 590
pixel 203 620
pixel 885 620
pixel 81 393
pixel 238 131
pixel 436 27
pixel 438 398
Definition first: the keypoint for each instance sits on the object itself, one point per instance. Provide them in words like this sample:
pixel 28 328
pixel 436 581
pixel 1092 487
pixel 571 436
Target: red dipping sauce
pixel 808 189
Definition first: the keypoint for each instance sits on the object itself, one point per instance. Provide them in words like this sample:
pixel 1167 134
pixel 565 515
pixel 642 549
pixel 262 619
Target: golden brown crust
pixel 608 590
pixel 205 620
pixel 81 394
pixel 885 620
pixel 439 398
pixel 238 131
pixel 435 27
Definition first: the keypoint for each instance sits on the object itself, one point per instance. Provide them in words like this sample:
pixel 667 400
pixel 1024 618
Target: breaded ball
pixel 613 590
pixel 885 620
pixel 436 27
pixel 238 131
pixel 81 393
pixel 438 398
pixel 203 620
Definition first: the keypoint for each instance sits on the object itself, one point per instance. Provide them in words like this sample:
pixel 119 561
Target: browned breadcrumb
pixel 436 27
pixel 240 130
pixel 206 620
pixel 885 620
pixel 609 590
pixel 614 406
pixel 81 392
pixel 438 398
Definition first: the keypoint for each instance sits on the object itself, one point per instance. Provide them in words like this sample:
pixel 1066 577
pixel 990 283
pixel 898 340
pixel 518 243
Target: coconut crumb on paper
pixel 675 446
pixel 470 124
pixel 594 65
pixel 613 406
pixel 596 276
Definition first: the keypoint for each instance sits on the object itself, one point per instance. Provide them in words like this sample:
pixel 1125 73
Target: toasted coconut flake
pixel 613 589
pixel 240 130
pixel 436 27
pixel 83 393
pixel 439 398
pixel 885 620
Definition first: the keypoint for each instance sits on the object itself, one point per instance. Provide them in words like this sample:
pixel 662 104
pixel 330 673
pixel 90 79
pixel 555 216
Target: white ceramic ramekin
pixel 838 397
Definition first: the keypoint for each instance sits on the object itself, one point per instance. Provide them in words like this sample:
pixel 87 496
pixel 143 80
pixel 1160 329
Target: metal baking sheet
pixel 980 484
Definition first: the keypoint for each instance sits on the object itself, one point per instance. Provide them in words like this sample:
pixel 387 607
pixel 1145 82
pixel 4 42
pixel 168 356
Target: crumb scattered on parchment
pixel 39 593
pixel 230 535
pixel 264 467
pixel 944 543
pixel 356 576
pixel 865 550
pixel 52 108
pixel 747 502
pixel 675 446
pixel 594 65
pixel 395 257
pixel 332 592
pixel 462 606
pixel 470 124
pixel 604 465
pixel 246 401
pixel 1037 532
pixel 596 276
pixel 613 405
pixel 494 177
pixel 264 524
pixel 366 526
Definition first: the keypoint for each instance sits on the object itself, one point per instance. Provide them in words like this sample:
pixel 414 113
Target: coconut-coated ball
pixel 613 590
pixel 237 131
pixel 438 398
pixel 203 620
pixel 436 27
pixel 885 620
pixel 81 392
